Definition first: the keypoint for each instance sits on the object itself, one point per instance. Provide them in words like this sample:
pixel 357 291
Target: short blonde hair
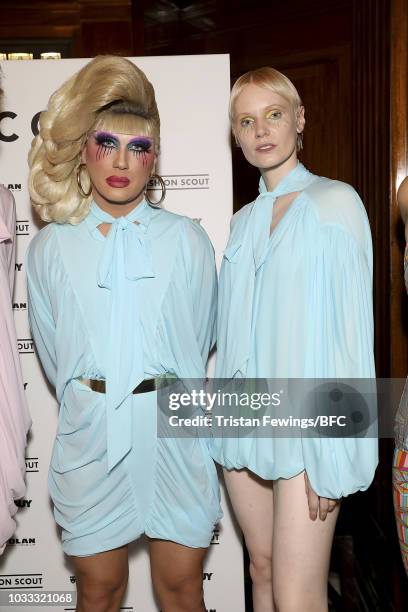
pixel 109 92
pixel 270 79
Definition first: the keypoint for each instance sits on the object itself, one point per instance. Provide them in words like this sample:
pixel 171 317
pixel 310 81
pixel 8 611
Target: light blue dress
pixel 298 304
pixel 136 304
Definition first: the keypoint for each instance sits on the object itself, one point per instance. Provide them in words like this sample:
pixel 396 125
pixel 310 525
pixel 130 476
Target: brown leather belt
pixel 147 385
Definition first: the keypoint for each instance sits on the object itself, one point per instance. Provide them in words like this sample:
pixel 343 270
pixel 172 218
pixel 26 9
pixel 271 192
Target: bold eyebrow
pixel 143 139
pixel 100 135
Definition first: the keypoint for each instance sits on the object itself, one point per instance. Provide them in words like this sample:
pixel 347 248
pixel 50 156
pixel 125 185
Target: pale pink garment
pixel 14 417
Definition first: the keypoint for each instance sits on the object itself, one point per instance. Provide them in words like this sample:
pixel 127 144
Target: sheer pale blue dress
pixel 136 304
pixel 298 304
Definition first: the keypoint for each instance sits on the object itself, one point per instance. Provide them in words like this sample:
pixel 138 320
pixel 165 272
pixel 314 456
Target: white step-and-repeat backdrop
pixel 195 162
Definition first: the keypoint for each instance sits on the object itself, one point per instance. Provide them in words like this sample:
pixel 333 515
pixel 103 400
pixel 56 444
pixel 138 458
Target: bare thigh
pixel 252 500
pixel 301 548
pixel 101 580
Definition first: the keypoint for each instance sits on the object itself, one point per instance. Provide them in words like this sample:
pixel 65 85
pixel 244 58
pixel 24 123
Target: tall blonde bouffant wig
pixel 108 93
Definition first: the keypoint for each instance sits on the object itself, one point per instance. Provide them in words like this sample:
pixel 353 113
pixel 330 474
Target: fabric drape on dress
pixel 164 487
pixel 310 317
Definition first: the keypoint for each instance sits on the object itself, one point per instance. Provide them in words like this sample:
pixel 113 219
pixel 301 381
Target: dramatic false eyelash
pixel 145 148
pixel 107 142
pixel 141 154
pixel 103 149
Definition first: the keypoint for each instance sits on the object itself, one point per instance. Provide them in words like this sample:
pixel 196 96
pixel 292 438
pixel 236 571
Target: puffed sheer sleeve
pixel 341 340
pixel 202 279
pixel 42 324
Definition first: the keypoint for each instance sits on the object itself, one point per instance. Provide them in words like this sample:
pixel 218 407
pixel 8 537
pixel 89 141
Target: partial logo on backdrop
pixel 23 503
pixel 25 346
pixel 21 581
pixel 32 465
pixel 22 227
pixel 21 541
pixel 216 536
pixel 12 186
pixel 7 133
pixel 176 182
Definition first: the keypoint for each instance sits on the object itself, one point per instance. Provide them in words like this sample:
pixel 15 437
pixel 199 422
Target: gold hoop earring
pixel 78 178
pixel 158 178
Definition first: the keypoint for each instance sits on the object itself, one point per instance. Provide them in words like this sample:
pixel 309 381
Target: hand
pixel 321 505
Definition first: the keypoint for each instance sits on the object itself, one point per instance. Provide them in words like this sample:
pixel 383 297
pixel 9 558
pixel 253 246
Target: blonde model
pixel 295 303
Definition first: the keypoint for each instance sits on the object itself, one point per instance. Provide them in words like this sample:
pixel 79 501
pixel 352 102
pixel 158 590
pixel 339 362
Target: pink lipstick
pixel 117 181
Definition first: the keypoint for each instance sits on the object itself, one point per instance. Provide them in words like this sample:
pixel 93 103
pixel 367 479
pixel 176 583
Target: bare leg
pixel 177 575
pixel 101 580
pixel 252 499
pixel 301 550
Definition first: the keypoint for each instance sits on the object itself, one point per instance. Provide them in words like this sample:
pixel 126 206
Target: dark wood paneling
pixel 298 39
pixel 89 26
pixel 399 169
pixel 371 150
pixel 100 37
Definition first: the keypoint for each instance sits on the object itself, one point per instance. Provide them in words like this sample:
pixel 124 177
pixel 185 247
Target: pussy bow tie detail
pixel 262 213
pixel 124 233
pixel 246 251
pixel 125 259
